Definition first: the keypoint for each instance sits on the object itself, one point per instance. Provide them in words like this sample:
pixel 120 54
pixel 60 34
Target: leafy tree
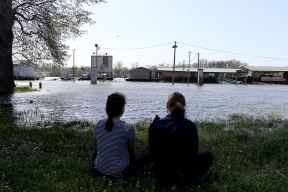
pixel 125 71
pixel 117 68
pixel 135 65
pixel 54 70
pixel 164 65
pixel 36 30
pixel 204 63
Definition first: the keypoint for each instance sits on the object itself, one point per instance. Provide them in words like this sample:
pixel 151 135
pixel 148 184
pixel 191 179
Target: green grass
pixel 24 89
pixel 250 155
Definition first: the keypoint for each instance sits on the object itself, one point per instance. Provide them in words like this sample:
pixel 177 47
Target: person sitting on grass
pixel 115 141
pixel 173 144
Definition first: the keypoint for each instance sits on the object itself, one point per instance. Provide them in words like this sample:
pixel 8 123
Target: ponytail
pixel 114 108
pixel 178 111
pixel 109 124
pixel 176 105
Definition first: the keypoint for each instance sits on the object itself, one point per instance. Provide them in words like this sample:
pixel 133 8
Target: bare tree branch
pixel 31 4
pixel 25 18
pixel 23 29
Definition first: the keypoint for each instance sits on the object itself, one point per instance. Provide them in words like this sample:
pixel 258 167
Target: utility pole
pixel 174 47
pixel 183 70
pixel 73 64
pixel 198 75
pixel 189 67
pixel 96 62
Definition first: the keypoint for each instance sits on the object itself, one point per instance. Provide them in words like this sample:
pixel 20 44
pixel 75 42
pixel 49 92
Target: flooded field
pixel 65 100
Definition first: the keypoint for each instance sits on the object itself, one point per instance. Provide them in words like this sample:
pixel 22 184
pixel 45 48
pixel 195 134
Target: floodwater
pixel 80 100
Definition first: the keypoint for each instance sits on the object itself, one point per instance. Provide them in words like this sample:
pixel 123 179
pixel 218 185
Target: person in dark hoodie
pixel 173 144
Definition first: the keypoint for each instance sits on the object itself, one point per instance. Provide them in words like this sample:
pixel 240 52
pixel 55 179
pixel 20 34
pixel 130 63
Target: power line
pixel 201 47
pixel 231 52
pixel 193 57
pixel 138 48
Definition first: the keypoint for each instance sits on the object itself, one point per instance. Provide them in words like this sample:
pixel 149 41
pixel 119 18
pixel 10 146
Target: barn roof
pixel 266 68
pixel 205 70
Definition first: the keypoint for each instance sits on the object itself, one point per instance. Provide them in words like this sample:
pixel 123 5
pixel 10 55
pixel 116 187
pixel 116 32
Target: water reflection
pixel 6 110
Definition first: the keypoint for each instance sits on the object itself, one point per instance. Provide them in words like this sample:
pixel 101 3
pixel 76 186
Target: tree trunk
pixel 6 41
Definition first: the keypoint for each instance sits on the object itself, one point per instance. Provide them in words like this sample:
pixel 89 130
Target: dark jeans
pixel 187 174
pixel 137 164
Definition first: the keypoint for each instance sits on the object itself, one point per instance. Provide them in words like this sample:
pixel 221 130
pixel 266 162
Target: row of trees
pixel 55 70
pixel 204 63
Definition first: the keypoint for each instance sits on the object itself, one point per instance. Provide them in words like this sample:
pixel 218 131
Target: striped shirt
pixel 112 147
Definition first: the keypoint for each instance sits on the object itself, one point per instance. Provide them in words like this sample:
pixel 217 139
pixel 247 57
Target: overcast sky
pixel 211 27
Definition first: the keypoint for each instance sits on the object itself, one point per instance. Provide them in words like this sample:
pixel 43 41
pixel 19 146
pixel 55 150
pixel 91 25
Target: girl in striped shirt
pixel 115 140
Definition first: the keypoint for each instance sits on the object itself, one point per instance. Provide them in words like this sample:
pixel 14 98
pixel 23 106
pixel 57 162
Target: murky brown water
pixel 65 100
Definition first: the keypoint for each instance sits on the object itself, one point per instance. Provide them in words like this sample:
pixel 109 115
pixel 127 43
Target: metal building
pixel 101 68
pixel 22 70
pixel 210 75
pixel 141 74
pixel 266 74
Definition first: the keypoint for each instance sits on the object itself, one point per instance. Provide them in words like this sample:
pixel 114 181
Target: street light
pixel 96 61
pixel 189 67
pixel 73 64
pixel 198 67
pixel 174 47
pixel 97 48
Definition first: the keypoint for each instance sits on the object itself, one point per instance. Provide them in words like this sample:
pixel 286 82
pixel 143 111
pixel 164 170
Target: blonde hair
pixel 176 105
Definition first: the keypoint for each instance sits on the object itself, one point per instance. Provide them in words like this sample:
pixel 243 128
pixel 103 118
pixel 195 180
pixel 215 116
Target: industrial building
pixel 142 74
pixel 245 74
pixel 265 74
pixel 23 70
pixel 101 68
pixel 210 75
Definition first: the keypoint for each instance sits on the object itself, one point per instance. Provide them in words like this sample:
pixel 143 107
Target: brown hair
pixel 176 105
pixel 114 107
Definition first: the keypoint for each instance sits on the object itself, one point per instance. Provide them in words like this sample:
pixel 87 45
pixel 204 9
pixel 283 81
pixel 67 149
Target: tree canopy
pixel 42 26
pixel 36 30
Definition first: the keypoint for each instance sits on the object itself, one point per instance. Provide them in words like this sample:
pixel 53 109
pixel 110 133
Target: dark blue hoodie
pixel 173 143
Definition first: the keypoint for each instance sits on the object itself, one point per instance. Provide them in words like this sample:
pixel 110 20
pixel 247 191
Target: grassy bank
pixel 24 89
pixel 250 155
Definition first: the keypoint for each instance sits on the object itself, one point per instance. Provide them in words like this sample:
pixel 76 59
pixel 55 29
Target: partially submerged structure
pixel 142 74
pixel 23 70
pixel 208 75
pixel 265 74
pixel 66 74
pixel 245 74
pixel 101 68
